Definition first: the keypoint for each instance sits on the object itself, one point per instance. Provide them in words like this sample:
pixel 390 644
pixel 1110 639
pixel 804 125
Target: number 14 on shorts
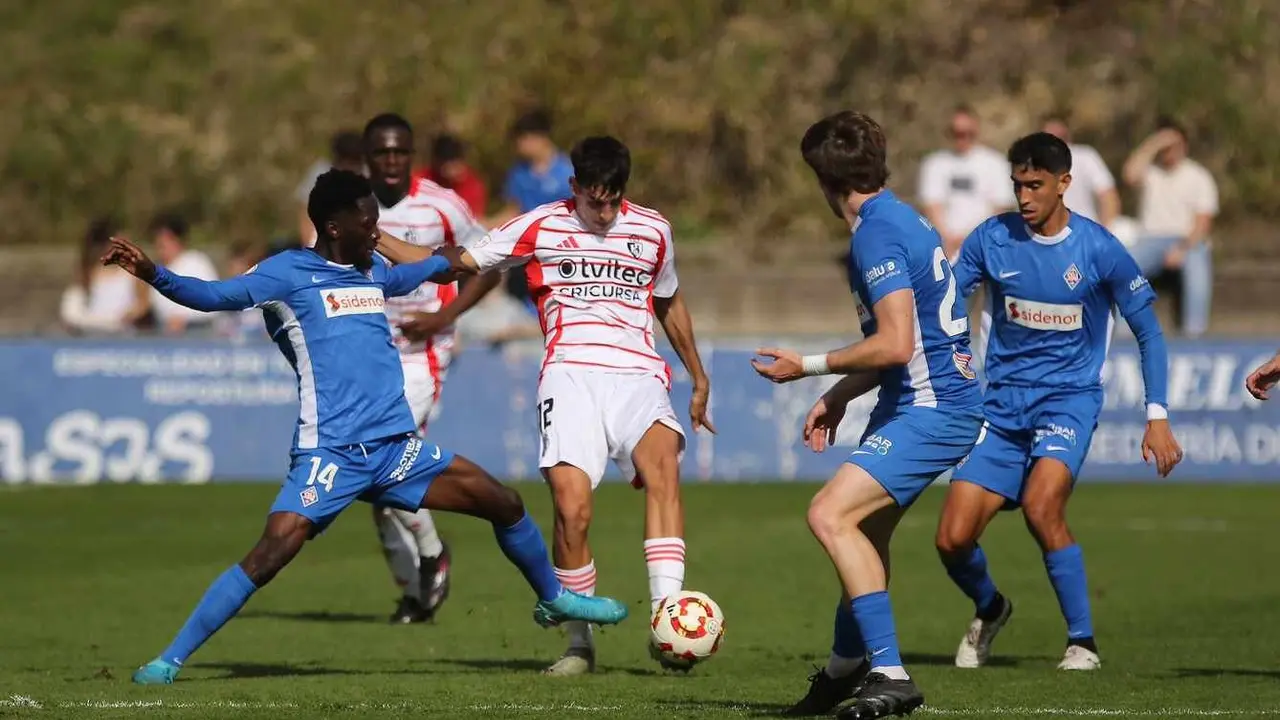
pixel 323 476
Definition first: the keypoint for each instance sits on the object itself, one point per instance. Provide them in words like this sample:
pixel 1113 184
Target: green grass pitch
pixel 96 580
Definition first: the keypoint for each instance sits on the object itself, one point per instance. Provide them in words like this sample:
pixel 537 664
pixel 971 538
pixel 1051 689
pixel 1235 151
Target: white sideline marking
pixel 1090 712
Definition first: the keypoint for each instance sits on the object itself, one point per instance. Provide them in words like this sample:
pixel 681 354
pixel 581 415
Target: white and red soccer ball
pixel 686 629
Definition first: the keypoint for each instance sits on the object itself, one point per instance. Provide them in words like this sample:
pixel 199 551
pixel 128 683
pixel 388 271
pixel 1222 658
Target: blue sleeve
pixel 404 279
pixel 881 257
pixel 511 186
pixel 1154 354
pixel 1128 289
pixel 265 282
pixel 970 268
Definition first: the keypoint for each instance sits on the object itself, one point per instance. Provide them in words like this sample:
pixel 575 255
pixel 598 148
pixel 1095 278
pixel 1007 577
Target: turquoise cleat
pixel 572 606
pixel 156 672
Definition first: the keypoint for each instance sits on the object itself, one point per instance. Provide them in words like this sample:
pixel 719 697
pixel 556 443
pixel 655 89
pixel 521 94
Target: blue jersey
pixel 529 189
pixel 894 248
pixel 328 321
pixel 1050 299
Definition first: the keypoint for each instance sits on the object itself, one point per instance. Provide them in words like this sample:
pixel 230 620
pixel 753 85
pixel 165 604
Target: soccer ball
pixel 685 630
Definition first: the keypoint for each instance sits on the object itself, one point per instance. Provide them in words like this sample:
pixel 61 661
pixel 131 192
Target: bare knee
pixel 279 544
pixel 826 521
pixel 1046 518
pixel 508 506
pixel 953 539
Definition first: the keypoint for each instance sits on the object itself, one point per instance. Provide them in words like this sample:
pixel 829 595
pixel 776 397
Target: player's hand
pixel 698 408
pixel 457 267
pixel 1159 444
pixel 130 257
pixel 786 365
pixel 1175 258
pixel 821 423
pixel 1264 378
pixel 423 325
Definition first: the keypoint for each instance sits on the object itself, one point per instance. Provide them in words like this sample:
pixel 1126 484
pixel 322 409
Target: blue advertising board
pixel 199 411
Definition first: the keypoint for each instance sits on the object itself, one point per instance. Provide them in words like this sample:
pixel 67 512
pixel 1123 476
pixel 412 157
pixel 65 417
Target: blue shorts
pixel 1024 424
pixel 393 471
pixel 908 450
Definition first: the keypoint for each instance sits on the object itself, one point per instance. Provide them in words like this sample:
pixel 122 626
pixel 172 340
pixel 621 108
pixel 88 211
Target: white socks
pixel 665 560
pixel 423 528
pixel 583 582
pixel 401 551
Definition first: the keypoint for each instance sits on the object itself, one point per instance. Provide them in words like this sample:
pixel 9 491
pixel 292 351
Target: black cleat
pixel 826 693
pixel 434 574
pixel 409 611
pixel 881 697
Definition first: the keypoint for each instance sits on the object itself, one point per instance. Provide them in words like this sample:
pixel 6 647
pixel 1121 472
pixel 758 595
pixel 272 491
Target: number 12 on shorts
pixel 324 477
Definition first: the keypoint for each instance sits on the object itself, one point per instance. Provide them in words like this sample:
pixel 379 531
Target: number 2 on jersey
pixel 946 308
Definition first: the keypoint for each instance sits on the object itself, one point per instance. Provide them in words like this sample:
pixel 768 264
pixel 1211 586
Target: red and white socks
pixel 583 582
pixel 665 560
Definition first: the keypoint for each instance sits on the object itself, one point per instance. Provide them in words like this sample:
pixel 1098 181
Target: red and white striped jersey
pixel 430 216
pixel 594 292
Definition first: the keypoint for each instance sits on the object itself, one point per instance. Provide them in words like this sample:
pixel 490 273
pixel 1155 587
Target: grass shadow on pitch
pixel 536 665
pixel 241 671
pixel 741 707
pixel 938 659
pixel 315 616
pixel 1181 673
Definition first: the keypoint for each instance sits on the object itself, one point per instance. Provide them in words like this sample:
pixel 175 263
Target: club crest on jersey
pixel 634 246
pixel 1072 276
pixel 411 237
pixel 309 496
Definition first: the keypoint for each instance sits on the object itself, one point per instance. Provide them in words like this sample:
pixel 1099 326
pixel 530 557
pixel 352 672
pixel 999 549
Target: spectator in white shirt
pixel 169 235
pixel 965 184
pixel 1092 192
pixel 103 300
pixel 1179 200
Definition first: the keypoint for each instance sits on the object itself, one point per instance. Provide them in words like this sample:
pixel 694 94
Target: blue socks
pixel 847 642
pixel 220 603
pixel 1066 573
pixel 874 617
pixel 971 576
pixel 523 545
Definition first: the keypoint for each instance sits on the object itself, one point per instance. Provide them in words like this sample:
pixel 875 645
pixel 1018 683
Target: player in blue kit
pixel 916 349
pixel 1052 278
pixel 355 436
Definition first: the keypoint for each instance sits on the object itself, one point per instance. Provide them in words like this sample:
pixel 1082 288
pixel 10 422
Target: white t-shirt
pixel 191 263
pixel 104 306
pixel 1171 199
pixel 970 187
pixel 1089 178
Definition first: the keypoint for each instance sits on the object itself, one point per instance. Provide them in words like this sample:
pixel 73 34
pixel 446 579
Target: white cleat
pixel 1080 658
pixel 975 647
pixel 575 661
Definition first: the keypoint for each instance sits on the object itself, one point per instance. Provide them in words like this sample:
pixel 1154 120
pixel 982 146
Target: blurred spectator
pixel 496 320
pixel 448 168
pixel 246 324
pixel 540 176
pixel 169 235
pixel 965 184
pixel 1178 202
pixel 346 152
pixel 103 299
pixel 1092 192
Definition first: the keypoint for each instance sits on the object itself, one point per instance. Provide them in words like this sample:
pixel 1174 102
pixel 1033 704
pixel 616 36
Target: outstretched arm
pixel 674 316
pixel 238 293
pixel 403 253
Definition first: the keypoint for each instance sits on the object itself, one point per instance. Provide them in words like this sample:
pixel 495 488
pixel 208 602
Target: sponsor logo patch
pixel 352 301
pixel 1043 316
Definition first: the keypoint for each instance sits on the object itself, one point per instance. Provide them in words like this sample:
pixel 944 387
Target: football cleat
pixel 575 661
pixel 434 573
pixel 410 611
pixel 975 647
pixel 156 672
pixel 880 697
pixel 1079 657
pixel 572 606
pixel 826 693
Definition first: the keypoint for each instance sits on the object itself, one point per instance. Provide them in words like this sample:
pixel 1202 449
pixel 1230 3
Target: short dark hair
pixel 446 147
pixel 534 122
pixel 386 121
pixel 602 163
pixel 334 192
pixel 1040 151
pixel 346 146
pixel 848 152
pixel 169 221
pixel 1168 122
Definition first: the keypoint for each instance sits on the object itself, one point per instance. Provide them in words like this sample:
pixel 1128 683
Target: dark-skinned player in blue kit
pixel 1052 279
pixel 354 440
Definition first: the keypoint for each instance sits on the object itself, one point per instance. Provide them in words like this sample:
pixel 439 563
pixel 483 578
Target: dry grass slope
pixel 127 106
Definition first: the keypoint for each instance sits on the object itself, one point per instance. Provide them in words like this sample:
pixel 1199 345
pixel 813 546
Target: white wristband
pixel 1157 412
pixel 815 364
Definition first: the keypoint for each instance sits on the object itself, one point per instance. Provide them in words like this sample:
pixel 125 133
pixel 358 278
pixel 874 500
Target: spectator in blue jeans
pixel 1179 200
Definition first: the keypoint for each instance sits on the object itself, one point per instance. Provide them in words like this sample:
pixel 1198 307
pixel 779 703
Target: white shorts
pixel 587 418
pixel 423 380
